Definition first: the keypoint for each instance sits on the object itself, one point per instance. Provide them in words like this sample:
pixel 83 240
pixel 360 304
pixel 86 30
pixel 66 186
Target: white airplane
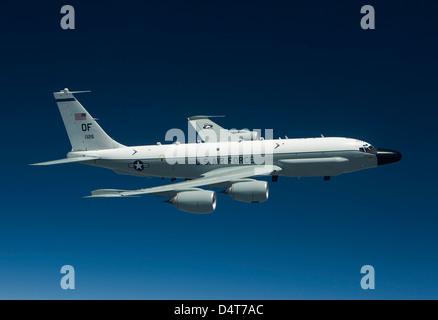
pixel 230 162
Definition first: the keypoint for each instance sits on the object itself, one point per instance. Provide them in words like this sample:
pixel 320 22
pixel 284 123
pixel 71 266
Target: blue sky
pixel 301 69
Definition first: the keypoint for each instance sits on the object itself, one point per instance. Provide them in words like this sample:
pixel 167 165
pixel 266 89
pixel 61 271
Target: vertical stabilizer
pixel 82 129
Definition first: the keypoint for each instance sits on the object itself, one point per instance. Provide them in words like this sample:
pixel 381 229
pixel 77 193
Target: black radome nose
pixel 387 156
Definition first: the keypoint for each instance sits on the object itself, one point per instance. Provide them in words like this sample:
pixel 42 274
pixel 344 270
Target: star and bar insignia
pixel 138 165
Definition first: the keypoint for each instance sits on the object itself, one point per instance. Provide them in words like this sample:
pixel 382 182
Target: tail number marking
pixel 86 126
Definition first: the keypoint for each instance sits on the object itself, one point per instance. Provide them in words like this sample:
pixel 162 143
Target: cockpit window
pixel 371 149
pixel 368 149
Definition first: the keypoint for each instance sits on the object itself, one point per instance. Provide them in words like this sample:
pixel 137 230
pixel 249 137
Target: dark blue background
pixel 301 68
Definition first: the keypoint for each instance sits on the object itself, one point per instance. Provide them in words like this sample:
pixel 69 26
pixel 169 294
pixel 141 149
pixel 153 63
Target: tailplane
pixel 82 129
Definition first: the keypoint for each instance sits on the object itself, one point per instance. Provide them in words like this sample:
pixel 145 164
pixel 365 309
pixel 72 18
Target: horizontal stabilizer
pixel 203 117
pixel 66 160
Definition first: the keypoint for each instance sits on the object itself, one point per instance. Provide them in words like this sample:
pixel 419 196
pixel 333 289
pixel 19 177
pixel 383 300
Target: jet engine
pixel 244 134
pixel 199 201
pixel 249 191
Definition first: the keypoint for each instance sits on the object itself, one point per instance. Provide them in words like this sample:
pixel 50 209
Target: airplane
pixel 230 162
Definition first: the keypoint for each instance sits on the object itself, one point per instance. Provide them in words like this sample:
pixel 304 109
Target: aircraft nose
pixel 387 156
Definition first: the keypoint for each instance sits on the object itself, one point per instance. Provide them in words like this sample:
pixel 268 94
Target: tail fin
pixel 82 129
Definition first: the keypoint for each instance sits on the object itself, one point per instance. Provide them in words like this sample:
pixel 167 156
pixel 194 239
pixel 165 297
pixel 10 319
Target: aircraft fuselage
pixel 306 157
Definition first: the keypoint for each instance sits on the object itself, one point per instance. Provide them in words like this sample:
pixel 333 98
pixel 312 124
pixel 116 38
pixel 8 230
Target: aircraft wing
pixel 204 127
pixel 210 131
pixel 221 175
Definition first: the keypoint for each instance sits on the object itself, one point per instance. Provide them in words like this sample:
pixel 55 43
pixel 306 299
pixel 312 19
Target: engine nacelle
pixel 199 201
pixel 244 134
pixel 249 191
